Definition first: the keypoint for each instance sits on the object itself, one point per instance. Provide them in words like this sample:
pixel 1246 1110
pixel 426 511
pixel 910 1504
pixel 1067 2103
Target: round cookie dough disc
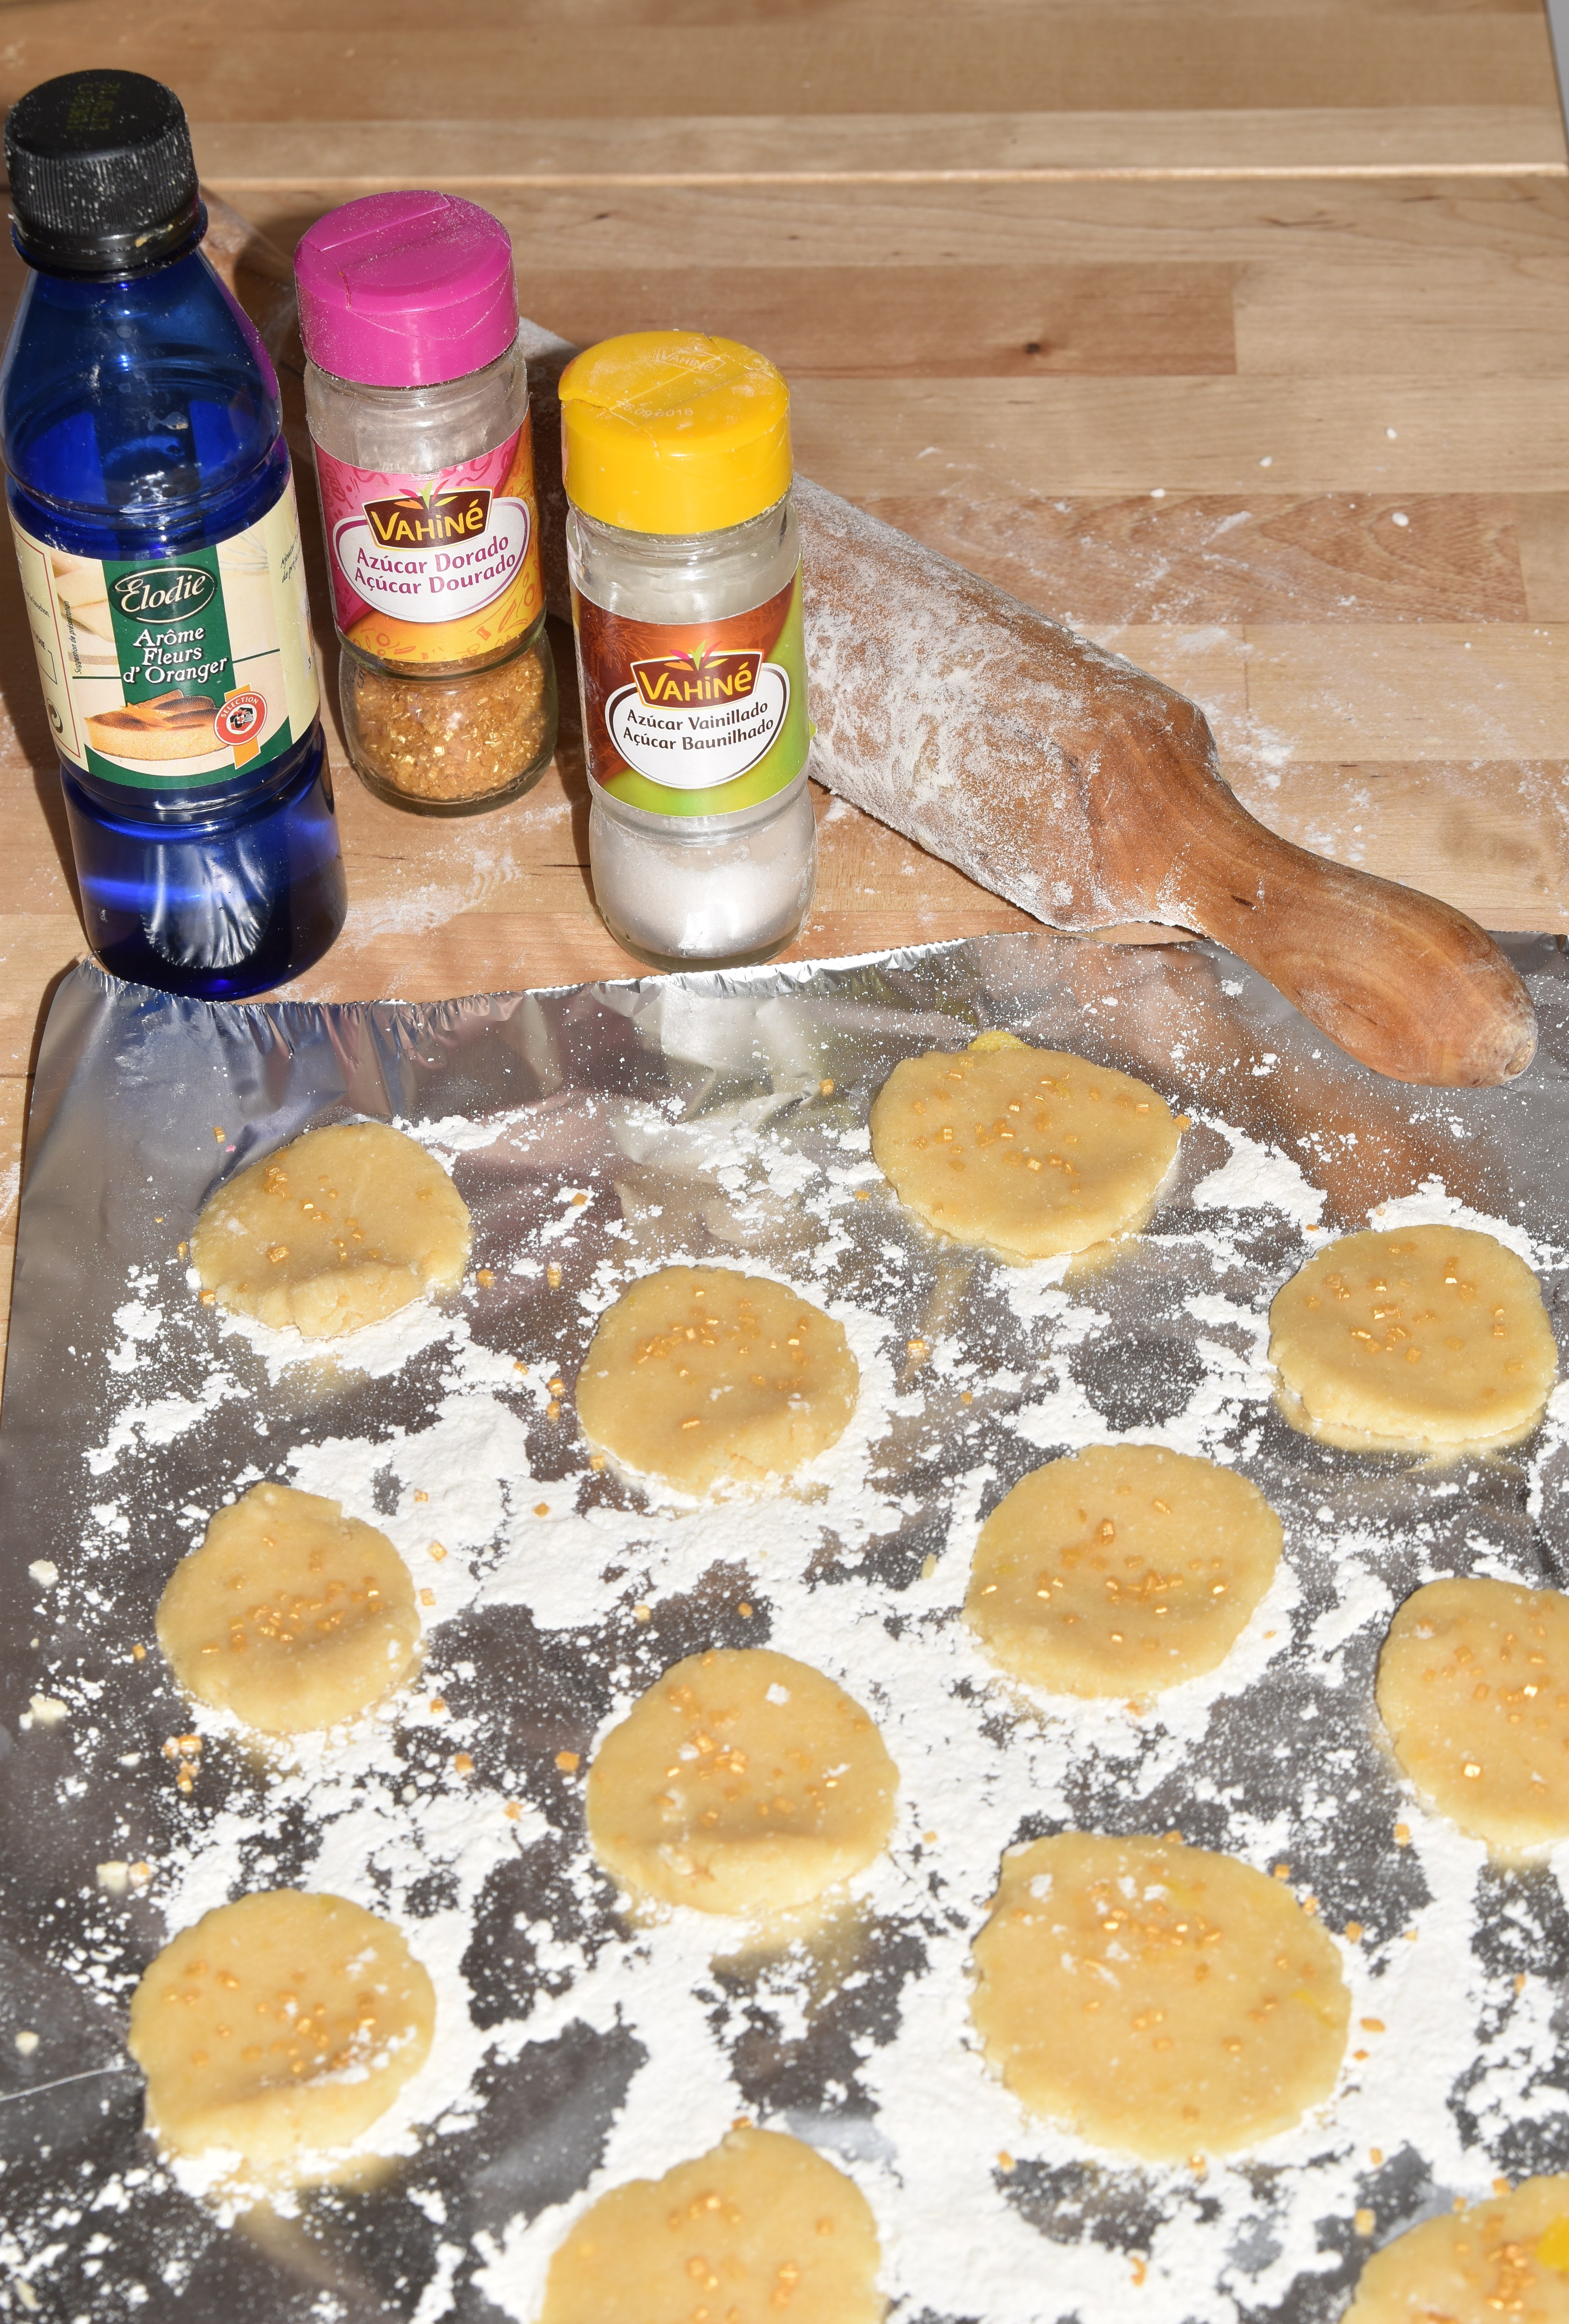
pixel 742 1782
pixel 1030 1152
pixel 1473 1685
pixel 1402 1342
pixel 1121 1570
pixel 346 1225
pixel 278 2027
pixel 290 1614
pixel 1505 2258
pixel 700 1376
pixel 1159 1999
pixel 761 2227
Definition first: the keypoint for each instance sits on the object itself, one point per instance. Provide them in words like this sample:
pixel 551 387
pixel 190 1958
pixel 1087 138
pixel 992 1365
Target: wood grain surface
pixel 1233 330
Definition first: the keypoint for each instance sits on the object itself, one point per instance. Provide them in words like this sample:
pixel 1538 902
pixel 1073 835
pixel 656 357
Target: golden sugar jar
pixel 418 397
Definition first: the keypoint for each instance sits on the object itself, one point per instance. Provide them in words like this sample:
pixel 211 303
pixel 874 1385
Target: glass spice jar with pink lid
pixel 418 398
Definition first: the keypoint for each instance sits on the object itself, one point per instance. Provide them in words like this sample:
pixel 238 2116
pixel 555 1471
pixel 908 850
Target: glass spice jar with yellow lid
pixel 687 613
pixel 418 397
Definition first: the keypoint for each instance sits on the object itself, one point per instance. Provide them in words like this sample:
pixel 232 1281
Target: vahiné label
pixel 694 718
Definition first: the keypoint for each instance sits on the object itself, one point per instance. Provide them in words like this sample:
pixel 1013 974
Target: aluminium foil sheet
pixel 690 1116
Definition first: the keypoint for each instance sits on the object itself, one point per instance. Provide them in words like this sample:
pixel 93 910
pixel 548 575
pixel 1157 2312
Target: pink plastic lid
pixel 405 289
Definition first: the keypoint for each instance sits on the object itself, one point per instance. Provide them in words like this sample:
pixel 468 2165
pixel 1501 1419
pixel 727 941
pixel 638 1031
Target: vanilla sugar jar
pixel 687 613
pixel 418 397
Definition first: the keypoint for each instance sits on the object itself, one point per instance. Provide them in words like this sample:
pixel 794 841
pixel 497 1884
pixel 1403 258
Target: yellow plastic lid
pixel 671 431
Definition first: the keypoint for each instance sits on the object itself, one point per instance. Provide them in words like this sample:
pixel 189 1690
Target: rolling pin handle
pixel 1403 982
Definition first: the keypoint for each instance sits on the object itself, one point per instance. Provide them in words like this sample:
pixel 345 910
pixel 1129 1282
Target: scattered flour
pixel 1255 1178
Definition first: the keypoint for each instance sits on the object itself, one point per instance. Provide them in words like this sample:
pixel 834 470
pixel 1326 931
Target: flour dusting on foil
pixel 596 1136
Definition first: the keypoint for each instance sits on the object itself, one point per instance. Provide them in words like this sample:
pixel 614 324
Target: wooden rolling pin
pixel 1089 794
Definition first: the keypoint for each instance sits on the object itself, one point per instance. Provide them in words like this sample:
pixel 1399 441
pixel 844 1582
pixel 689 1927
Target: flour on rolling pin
pixel 968 721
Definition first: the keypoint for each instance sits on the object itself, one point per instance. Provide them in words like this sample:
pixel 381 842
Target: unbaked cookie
pixel 1030 1152
pixel 1120 1569
pixel 1402 1342
pixel 343 1227
pixel 701 1376
pixel 280 2028
pixel 1474 1687
pixel 1158 1998
pixel 761 2227
pixel 290 1614
pixel 742 1782
pixel 1506 2258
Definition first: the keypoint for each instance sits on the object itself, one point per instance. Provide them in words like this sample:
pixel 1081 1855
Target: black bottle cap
pixel 103 179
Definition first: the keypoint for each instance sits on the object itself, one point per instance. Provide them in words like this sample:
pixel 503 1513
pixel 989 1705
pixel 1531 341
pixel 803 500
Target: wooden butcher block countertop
pixel 1234 332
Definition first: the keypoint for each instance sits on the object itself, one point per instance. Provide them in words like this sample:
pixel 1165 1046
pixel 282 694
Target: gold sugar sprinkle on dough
pixel 302 2016
pixel 289 1614
pixel 742 1781
pixel 1430 1337
pixel 1505 2257
pixel 337 1230
pixel 1120 1569
pixel 702 1375
pixel 761 2229
pixel 1028 1152
pixel 1474 1688
pixel 1160 1999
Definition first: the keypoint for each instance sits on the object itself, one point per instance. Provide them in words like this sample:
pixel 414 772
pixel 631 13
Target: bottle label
pixel 695 717
pixel 438 571
pixel 176 673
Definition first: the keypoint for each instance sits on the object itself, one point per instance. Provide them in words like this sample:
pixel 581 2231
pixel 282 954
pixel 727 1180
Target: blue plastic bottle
pixel 152 506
